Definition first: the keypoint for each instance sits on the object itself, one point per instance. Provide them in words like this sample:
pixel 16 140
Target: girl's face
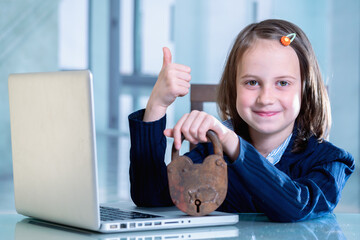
pixel 269 89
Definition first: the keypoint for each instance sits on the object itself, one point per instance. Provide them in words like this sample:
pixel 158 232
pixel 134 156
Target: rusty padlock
pixel 198 189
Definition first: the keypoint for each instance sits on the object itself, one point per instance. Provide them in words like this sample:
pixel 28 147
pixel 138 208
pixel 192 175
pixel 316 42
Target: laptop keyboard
pixel 113 214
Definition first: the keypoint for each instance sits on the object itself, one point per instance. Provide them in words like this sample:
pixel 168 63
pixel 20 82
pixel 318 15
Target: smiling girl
pixel 276 116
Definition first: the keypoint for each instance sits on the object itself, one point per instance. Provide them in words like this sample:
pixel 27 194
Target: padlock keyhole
pixel 197 204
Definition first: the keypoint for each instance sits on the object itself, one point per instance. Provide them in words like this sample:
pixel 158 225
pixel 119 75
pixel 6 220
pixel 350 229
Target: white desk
pixel 250 226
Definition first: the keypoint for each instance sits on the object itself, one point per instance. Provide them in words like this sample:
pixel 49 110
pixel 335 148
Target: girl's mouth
pixel 266 113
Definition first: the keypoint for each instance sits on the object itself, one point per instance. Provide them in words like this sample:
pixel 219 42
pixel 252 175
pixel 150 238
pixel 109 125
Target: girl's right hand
pixel 173 81
pixel 194 126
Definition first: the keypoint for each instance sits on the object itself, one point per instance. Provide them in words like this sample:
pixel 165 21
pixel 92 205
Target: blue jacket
pixel 300 186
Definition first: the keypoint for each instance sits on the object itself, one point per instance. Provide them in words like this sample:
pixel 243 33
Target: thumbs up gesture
pixel 173 81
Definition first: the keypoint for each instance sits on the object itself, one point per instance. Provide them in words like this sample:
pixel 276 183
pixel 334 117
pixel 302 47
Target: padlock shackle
pixel 218 150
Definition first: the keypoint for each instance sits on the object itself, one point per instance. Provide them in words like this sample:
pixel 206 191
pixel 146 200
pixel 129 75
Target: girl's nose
pixel 266 96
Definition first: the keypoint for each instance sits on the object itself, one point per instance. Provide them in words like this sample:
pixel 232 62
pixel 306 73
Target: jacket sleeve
pixel 286 197
pixel 148 175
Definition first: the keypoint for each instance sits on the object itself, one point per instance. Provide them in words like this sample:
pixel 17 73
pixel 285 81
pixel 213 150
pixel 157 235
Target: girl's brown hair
pixel 314 118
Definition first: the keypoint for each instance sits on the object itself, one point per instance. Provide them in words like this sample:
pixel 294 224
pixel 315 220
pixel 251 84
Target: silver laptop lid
pixel 52 135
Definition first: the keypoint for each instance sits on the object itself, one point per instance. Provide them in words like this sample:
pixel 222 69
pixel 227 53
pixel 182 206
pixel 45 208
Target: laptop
pixel 55 162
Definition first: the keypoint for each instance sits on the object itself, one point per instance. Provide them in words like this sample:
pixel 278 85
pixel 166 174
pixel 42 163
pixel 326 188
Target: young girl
pixel 277 117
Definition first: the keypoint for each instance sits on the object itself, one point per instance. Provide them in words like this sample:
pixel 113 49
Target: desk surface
pixel 250 226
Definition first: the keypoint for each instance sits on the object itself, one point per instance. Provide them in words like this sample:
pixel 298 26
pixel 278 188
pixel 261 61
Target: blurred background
pixel 121 42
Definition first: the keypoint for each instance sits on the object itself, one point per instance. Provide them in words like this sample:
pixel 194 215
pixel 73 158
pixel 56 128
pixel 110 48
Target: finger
pixel 177 131
pixel 191 136
pixel 183 76
pixel 196 123
pixel 169 132
pixel 183 85
pixel 182 91
pixel 181 67
pixel 166 56
pixel 205 126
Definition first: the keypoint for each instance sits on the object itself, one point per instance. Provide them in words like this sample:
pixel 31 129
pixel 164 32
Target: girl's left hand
pixel 194 126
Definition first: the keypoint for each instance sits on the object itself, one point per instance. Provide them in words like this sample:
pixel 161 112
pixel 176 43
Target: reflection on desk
pixel 42 230
pixel 250 226
pixel 256 226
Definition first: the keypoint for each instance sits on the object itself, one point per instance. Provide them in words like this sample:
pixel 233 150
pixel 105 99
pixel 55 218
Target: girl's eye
pixel 283 83
pixel 252 83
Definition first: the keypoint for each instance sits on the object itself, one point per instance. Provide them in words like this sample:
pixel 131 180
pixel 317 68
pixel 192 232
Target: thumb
pixel 167 56
pixel 168 132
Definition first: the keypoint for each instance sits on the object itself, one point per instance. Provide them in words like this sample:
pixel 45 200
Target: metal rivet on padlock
pixel 198 189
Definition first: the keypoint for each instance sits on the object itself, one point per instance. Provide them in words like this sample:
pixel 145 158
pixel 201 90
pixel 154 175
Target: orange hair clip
pixel 286 40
